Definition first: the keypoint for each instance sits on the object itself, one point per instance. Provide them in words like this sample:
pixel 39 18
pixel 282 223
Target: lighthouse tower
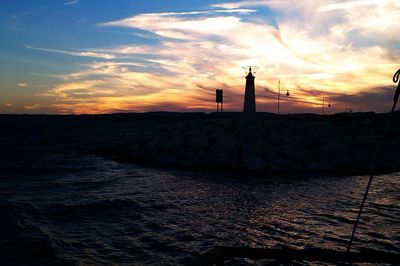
pixel 249 94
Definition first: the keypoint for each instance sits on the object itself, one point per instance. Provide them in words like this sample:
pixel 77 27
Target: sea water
pixel 62 205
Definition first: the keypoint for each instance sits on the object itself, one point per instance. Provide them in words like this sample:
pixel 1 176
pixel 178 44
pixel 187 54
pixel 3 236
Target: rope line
pixel 395 100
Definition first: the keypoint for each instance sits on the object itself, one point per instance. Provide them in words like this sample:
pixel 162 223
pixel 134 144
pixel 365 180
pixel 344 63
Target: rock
pixel 254 145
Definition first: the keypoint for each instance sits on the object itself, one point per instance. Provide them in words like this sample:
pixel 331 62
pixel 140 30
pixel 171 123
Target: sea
pixel 61 204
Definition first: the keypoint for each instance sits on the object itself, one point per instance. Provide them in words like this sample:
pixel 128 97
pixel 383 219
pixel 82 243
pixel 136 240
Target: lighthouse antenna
pixel 250 69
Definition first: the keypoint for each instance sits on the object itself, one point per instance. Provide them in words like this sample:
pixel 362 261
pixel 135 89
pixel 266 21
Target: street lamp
pixel 279 93
pixel 323 104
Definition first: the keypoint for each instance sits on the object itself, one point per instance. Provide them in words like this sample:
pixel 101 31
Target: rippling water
pixel 61 205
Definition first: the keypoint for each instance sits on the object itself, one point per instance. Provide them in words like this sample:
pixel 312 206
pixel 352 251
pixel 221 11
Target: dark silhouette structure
pixel 249 94
pixel 219 100
pixel 397 93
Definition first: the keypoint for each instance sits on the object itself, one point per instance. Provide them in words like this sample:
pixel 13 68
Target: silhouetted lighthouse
pixel 249 94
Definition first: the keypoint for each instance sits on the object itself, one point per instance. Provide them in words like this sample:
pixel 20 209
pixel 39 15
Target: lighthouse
pixel 249 94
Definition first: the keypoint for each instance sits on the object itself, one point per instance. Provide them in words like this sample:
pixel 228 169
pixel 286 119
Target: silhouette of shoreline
pixel 344 143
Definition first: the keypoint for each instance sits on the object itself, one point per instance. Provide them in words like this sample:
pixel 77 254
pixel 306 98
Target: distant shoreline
pixel 195 113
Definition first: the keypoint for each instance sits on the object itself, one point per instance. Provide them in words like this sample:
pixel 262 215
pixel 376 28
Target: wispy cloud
pixel 41 8
pixel 348 5
pixel 359 16
pixel 29 12
pixel 22 84
pixel 32 106
pixel 73 2
pixel 74 53
pixel 236 5
pixel 173 25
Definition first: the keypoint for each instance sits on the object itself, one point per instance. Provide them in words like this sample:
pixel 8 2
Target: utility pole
pixel 279 93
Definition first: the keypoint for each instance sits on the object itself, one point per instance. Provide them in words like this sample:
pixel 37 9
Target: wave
pixel 24 243
pixel 101 209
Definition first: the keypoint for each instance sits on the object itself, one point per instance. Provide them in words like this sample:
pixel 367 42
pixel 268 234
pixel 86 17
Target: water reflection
pixel 95 211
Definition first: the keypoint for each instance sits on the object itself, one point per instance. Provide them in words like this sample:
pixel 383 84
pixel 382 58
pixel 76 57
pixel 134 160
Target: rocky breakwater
pixel 258 145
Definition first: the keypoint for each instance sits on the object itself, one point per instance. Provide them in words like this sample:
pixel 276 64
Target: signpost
pixel 219 100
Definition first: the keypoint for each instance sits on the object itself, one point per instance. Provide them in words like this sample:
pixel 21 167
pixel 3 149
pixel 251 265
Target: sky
pixel 98 56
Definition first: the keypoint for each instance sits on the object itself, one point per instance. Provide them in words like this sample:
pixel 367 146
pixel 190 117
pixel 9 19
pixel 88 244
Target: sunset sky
pixel 97 56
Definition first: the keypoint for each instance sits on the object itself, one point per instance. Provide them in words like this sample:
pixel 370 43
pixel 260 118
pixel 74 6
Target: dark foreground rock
pixel 259 145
